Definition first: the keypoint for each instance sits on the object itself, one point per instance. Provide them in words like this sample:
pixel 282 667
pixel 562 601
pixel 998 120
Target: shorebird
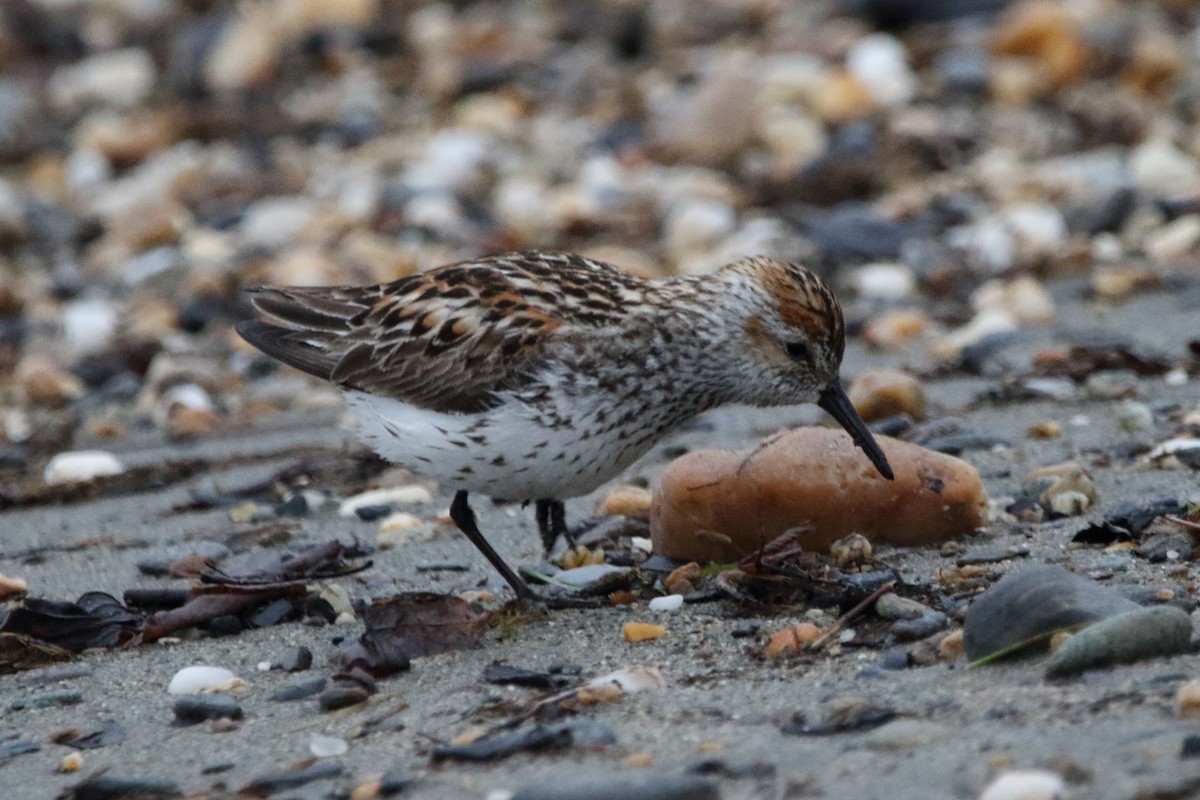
pixel 539 377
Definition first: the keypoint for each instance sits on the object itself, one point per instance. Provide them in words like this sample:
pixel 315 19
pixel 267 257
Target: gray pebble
pixel 652 787
pixel 1144 633
pixel 194 708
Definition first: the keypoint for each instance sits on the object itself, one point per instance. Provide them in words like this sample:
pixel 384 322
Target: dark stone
pixel 630 787
pixel 508 675
pixel 907 630
pixel 506 743
pixel 10 750
pixel 957 443
pixel 372 513
pixel 292 779
pixel 294 506
pixel 894 658
pixel 155 599
pixel 299 690
pixel 106 786
pixel 394 782
pixel 225 625
pixel 62 697
pixel 343 695
pixel 1190 747
pixel 298 659
pixel 272 613
pixel 192 708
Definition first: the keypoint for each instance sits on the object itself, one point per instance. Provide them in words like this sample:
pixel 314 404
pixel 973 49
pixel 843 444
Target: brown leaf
pixel 411 625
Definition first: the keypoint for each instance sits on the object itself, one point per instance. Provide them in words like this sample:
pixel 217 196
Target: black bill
pixel 835 402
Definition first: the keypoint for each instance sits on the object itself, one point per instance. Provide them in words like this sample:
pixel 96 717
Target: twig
pixel 851 615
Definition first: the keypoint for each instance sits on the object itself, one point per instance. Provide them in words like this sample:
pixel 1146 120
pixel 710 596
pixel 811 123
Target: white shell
pixel 400 495
pixel 1025 784
pixel 81 465
pixel 194 680
pixel 632 679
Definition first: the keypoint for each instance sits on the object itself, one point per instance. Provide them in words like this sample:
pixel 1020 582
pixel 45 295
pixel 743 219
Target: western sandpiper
pixel 538 377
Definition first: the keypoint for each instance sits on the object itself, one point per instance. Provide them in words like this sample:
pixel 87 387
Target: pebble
pixel 880 63
pixel 1187 700
pixel 904 734
pixel 894 607
pixel 1025 784
pixel 1031 603
pixel 884 282
pixel 882 393
pixel 201 707
pixel 1161 170
pixel 300 689
pixel 1122 639
pixel 714 491
pixel 400 495
pixel 12 587
pixel 793 639
pixel 60 697
pixel 71 762
pixel 44 383
pixel 343 695
pixel 897 329
pixel 297 659
pixel 627 501
pixel 119 78
pixel 327 746
pixel 81 466
pixel 194 680
pixel 625 787
pixel 669 603
pixel 635 632
pixel 593 578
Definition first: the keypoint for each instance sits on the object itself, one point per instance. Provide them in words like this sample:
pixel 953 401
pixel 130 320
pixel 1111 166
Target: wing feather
pixel 448 339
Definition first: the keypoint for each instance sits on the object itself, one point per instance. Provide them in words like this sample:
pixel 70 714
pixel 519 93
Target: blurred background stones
pixel 940 161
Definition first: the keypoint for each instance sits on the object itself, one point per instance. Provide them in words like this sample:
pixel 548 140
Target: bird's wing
pixel 447 339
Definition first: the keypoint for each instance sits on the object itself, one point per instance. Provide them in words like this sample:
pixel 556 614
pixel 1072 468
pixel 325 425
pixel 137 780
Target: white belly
pixel 508 452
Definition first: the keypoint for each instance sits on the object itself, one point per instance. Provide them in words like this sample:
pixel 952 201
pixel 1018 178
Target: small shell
pixel 327 746
pixel 632 679
pixel 400 495
pixel 80 466
pixel 669 603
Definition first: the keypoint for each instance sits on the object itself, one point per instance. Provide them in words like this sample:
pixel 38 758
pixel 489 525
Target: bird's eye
pixel 797 350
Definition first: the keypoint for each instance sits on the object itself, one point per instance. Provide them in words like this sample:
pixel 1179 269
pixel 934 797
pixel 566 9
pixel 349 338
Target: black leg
pixel 464 518
pixel 552 523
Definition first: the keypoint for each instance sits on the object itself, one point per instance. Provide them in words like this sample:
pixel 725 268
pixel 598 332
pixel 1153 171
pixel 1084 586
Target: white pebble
pixel 88 324
pixel 989 243
pixel 632 679
pixel 327 746
pixel 1038 229
pixel 81 465
pixel 189 395
pixel 120 78
pixel 437 211
pixel 1025 784
pixel 670 603
pixel 194 680
pixel 698 225
pixel 1176 377
pixel 885 281
pixel 454 161
pixel 881 64
pixel 1175 240
pixel 263 666
pixel 1160 168
pixel 641 543
pixel 399 495
pixel 276 221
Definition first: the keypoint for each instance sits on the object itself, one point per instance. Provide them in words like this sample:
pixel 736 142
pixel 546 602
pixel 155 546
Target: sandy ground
pixel 1112 734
